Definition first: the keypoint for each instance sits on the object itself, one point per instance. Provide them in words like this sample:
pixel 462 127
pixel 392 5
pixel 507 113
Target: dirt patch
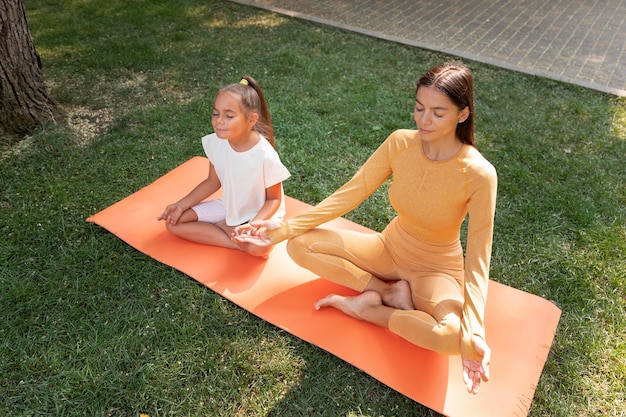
pixel 87 123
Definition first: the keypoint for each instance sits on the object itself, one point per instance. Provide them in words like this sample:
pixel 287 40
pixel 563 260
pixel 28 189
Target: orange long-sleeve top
pixel 432 199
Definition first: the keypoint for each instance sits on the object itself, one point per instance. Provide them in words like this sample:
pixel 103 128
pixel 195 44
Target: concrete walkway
pixel 581 42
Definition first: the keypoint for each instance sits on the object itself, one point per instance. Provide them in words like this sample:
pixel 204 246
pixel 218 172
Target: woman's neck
pixel 441 150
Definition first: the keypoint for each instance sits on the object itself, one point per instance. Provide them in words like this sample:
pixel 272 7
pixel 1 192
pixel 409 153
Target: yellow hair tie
pixel 244 82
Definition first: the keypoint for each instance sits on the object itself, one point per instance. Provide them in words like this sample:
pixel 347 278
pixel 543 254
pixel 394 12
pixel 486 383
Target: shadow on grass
pixel 347 391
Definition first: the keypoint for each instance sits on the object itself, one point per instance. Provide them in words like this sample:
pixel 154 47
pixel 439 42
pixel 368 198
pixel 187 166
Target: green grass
pixel 92 327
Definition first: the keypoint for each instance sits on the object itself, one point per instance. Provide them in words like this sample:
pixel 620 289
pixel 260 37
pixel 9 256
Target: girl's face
pixel 229 120
pixel 436 116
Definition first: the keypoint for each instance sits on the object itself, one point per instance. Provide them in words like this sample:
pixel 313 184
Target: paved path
pixel 577 41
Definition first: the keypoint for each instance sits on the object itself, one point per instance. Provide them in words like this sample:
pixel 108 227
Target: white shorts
pixel 211 211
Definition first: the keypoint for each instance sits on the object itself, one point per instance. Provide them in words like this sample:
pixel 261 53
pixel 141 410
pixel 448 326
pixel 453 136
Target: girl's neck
pixel 246 142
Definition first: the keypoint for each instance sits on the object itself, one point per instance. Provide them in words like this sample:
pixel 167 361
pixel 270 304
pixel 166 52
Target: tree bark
pixel 24 100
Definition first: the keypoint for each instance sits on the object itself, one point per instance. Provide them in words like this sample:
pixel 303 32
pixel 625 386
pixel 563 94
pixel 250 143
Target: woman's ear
pixel 464 114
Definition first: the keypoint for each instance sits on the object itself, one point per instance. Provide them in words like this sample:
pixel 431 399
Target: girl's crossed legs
pixel 206 223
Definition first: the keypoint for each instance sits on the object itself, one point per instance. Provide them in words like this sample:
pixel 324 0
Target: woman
pixel 412 277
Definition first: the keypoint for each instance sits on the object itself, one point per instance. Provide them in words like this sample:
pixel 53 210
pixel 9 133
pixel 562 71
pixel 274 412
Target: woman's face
pixel 436 116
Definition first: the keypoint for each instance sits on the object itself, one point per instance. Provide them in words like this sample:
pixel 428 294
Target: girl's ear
pixel 252 119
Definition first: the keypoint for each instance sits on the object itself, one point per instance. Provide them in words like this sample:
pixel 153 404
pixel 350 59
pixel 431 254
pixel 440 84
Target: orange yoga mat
pixel 520 326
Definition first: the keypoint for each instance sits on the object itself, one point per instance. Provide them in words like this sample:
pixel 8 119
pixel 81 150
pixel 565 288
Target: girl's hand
pixel 254 232
pixel 171 214
pixel 475 371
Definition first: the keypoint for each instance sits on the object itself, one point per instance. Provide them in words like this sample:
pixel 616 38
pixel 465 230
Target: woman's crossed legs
pixel 422 308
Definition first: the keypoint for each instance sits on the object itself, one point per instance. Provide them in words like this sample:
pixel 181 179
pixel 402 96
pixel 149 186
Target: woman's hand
pixel 254 232
pixel 475 371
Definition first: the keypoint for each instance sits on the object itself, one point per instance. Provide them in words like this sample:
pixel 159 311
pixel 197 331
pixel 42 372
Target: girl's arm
pixel 210 185
pixel 273 198
pixel 253 233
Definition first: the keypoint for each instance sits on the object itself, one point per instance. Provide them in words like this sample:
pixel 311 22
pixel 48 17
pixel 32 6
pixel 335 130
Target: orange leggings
pixel 434 273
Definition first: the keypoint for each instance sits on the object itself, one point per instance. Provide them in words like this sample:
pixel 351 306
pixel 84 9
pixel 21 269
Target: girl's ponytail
pixel 253 100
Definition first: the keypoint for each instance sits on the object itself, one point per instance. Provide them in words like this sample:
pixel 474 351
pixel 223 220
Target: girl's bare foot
pixel 352 306
pixel 398 295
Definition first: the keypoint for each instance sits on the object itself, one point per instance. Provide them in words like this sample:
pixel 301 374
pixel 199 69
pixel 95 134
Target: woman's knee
pixel 298 247
pixel 441 335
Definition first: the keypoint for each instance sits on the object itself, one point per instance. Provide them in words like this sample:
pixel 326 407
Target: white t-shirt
pixel 245 176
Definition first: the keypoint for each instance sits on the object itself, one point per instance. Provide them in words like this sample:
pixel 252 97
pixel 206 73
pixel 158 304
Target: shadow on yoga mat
pixel 520 326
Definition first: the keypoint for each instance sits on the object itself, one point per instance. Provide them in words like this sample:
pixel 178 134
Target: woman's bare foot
pixel 352 306
pixel 398 295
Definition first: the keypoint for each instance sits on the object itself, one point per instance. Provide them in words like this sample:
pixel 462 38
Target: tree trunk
pixel 24 101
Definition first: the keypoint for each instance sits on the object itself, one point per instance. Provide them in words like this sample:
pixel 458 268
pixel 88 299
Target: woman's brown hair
pixel 455 82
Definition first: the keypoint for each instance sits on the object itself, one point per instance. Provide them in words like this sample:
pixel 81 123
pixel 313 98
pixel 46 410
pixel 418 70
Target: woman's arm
pixel 481 209
pixel 375 171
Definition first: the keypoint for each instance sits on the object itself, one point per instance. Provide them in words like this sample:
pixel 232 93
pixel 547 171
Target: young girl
pixel 243 163
pixel 412 277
